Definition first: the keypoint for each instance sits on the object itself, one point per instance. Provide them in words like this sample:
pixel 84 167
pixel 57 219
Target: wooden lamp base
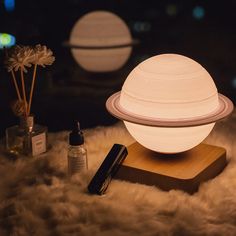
pixel 183 171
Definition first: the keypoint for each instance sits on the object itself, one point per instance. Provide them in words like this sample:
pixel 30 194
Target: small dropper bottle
pixel 77 154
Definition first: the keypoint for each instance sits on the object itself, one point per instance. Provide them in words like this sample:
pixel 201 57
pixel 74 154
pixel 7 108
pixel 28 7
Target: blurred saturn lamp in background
pixel 100 41
pixel 169 104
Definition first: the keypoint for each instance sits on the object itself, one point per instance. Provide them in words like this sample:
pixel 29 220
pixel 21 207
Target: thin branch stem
pixel 16 85
pixel 32 88
pixel 13 76
pixel 23 90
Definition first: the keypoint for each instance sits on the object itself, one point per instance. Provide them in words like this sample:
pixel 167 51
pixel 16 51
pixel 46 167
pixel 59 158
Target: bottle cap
pixel 76 137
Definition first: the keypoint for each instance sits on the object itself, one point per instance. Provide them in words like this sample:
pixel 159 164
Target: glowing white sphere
pixel 101 29
pixel 169 140
pixel 168 87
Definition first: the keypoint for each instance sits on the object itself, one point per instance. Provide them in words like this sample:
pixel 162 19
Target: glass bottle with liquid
pixel 27 138
pixel 77 153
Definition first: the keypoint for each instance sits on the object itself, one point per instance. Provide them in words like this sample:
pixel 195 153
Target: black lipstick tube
pixel 107 170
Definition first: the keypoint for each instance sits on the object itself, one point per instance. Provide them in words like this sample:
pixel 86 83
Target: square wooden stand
pixel 183 171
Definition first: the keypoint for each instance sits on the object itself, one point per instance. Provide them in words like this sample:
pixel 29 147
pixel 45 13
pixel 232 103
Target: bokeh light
pixel 233 82
pixel 7 40
pixel 171 10
pixel 198 12
pixel 9 5
pixel 141 26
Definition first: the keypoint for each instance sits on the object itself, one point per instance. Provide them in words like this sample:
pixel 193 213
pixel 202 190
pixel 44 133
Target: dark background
pixel 203 30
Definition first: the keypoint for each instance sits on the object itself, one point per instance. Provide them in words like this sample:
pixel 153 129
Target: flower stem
pixel 23 90
pixel 32 88
pixel 13 76
pixel 16 85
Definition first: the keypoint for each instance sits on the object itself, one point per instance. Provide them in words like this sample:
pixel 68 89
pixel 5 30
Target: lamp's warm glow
pixel 169 103
pixel 169 86
pixel 101 29
pixel 169 140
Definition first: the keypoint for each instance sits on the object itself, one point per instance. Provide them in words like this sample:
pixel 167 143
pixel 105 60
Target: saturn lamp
pixel 169 103
pixel 100 41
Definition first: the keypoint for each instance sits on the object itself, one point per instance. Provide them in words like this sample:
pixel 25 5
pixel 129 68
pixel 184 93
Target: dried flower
pixel 18 107
pixel 20 58
pixel 43 56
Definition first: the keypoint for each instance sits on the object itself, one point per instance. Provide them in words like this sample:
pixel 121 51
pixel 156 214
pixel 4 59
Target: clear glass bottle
pixel 77 153
pixel 27 138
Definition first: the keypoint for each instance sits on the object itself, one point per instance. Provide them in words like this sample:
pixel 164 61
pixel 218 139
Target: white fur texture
pixel 36 198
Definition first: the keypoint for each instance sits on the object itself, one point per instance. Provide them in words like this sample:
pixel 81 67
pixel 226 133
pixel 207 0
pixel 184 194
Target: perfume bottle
pixel 27 138
pixel 77 154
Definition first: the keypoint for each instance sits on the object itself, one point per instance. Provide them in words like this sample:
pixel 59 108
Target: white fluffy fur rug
pixel 38 199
